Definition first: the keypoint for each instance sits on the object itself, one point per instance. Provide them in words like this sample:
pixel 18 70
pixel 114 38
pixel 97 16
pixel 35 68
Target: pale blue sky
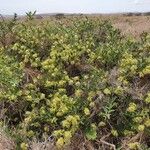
pixel 73 6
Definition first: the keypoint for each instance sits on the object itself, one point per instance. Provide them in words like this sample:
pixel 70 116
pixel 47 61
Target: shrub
pixel 59 80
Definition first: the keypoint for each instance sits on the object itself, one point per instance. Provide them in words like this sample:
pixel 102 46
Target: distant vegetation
pixel 75 79
pixel 60 15
pixel 137 14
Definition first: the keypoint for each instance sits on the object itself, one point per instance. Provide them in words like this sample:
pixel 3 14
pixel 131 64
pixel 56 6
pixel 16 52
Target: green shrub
pixel 82 76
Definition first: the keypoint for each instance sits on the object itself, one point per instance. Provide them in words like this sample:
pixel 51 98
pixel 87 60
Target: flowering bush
pixel 61 79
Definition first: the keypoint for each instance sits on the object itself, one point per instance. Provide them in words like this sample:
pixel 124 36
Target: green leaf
pixel 91 133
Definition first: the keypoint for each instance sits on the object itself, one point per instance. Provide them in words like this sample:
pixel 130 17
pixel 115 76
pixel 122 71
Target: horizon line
pixel 84 13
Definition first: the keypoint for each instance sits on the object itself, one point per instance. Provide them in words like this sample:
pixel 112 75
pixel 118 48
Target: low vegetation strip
pixel 76 79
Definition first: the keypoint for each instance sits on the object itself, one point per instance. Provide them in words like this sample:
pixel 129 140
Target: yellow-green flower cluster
pixel 70 125
pixel 132 107
pixel 61 104
pixel 128 65
pixel 147 99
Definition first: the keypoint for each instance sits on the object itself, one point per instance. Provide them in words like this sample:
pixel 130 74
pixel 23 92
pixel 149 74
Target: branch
pixel 109 144
pixel 106 143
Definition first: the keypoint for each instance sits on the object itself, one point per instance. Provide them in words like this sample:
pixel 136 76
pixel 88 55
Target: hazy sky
pixel 73 6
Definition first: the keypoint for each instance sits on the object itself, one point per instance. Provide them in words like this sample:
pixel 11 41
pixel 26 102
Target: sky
pixel 73 6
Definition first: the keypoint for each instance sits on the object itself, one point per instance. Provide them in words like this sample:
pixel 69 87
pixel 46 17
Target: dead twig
pixel 103 142
pixel 109 144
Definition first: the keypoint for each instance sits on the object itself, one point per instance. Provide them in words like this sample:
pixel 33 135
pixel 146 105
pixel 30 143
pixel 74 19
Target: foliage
pixel 30 15
pixel 84 76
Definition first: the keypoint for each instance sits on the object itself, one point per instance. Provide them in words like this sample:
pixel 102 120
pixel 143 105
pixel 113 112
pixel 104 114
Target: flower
pixel 147 123
pixel 132 107
pixel 107 91
pixel 137 119
pixel 78 93
pixel 67 136
pixel 147 100
pixel 60 143
pixel 42 96
pixel 114 133
pixel 24 146
pixel 141 127
pixel 134 145
pixel 86 111
pixel 78 83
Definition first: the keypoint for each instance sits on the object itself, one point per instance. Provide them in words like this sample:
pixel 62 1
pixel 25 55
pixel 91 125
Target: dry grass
pixel 6 143
pixel 134 25
pixel 129 25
